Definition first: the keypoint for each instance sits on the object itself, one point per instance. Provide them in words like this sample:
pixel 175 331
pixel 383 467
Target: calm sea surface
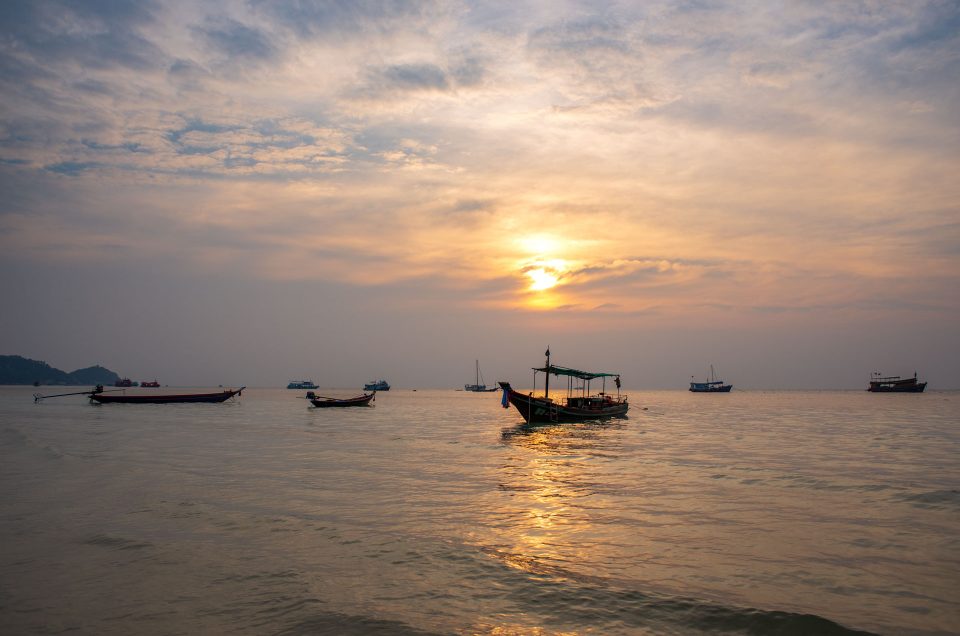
pixel 435 512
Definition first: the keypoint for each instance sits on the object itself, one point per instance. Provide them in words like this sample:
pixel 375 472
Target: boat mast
pixel 478 373
pixel 546 390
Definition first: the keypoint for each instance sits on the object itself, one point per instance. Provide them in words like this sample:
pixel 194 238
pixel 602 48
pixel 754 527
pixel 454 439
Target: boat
pixel 321 402
pixel 302 384
pixel 98 395
pixel 150 385
pixel 124 382
pixel 379 385
pixel 710 386
pixel 480 386
pixel 895 384
pixel 578 406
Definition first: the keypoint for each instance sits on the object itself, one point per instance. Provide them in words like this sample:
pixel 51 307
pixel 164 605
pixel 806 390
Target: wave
pixel 562 598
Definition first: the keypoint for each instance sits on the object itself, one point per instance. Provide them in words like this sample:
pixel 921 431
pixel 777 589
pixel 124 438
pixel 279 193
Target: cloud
pixel 232 39
pixel 319 18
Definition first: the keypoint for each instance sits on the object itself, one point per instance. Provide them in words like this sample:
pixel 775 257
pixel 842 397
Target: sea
pixel 439 512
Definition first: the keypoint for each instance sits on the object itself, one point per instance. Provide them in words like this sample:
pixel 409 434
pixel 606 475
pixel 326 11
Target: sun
pixel 541 279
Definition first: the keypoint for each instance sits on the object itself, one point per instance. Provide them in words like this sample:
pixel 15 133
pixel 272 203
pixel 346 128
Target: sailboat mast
pixel 477 381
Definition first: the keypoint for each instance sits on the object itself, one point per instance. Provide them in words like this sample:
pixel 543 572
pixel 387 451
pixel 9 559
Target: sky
pixel 249 192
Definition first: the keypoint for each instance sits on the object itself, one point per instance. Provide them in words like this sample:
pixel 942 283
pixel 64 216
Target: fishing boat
pixel 712 385
pixel 302 384
pixel 149 385
pixel 379 385
pixel 480 386
pixel 99 396
pixel 895 384
pixel 322 402
pixel 578 405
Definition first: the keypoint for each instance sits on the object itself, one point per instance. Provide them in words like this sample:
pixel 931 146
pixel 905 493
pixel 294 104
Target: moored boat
pixel 302 384
pixel 378 385
pixel 480 386
pixel 712 385
pixel 578 406
pixel 895 384
pixel 320 401
pixel 98 395
pixel 124 382
pixel 150 385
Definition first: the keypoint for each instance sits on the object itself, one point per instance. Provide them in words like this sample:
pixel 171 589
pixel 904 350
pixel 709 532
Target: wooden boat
pixel 710 386
pixel 323 402
pixel 100 397
pixel 480 386
pixel 895 384
pixel 575 407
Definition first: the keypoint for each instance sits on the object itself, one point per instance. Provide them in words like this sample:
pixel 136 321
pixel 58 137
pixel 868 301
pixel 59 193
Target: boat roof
pixel 576 373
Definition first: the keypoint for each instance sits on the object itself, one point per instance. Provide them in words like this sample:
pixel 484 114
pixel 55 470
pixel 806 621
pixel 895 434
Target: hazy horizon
pixel 254 192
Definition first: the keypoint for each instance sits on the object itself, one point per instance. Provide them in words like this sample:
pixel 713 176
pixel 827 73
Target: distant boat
pixel 97 395
pixel 894 384
pixel 379 385
pixel 321 402
pixel 480 386
pixel 302 384
pixel 574 408
pixel 710 386
pixel 150 385
pixel 125 382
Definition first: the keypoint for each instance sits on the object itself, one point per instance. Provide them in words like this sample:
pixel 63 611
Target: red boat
pixel 578 406
pixel 322 402
pixel 98 395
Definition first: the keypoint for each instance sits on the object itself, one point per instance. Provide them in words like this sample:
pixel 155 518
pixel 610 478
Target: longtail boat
pixel 320 401
pixel 99 397
pixel 578 406
pixel 895 384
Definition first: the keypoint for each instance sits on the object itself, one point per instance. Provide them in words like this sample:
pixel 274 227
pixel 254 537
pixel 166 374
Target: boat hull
pixel 190 398
pixel 539 411
pixel 715 389
pixel 363 400
pixel 912 388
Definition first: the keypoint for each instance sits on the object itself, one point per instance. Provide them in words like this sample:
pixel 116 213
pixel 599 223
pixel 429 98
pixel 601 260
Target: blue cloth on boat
pixel 505 403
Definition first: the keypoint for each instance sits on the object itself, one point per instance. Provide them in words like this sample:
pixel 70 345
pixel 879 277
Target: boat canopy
pixel 576 373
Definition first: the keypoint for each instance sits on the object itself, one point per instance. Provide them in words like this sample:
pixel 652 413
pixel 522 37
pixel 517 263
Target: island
pixel 20 370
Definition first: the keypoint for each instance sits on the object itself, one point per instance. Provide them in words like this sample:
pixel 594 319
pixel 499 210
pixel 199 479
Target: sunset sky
pixel 255 191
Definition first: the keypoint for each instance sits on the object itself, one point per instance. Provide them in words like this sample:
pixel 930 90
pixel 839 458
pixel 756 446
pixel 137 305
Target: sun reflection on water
pixel 554 496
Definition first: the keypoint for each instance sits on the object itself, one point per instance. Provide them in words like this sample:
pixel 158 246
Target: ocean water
pixel 436 512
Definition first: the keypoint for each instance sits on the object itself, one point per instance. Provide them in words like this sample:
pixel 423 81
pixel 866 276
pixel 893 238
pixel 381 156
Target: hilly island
pixel 20 370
